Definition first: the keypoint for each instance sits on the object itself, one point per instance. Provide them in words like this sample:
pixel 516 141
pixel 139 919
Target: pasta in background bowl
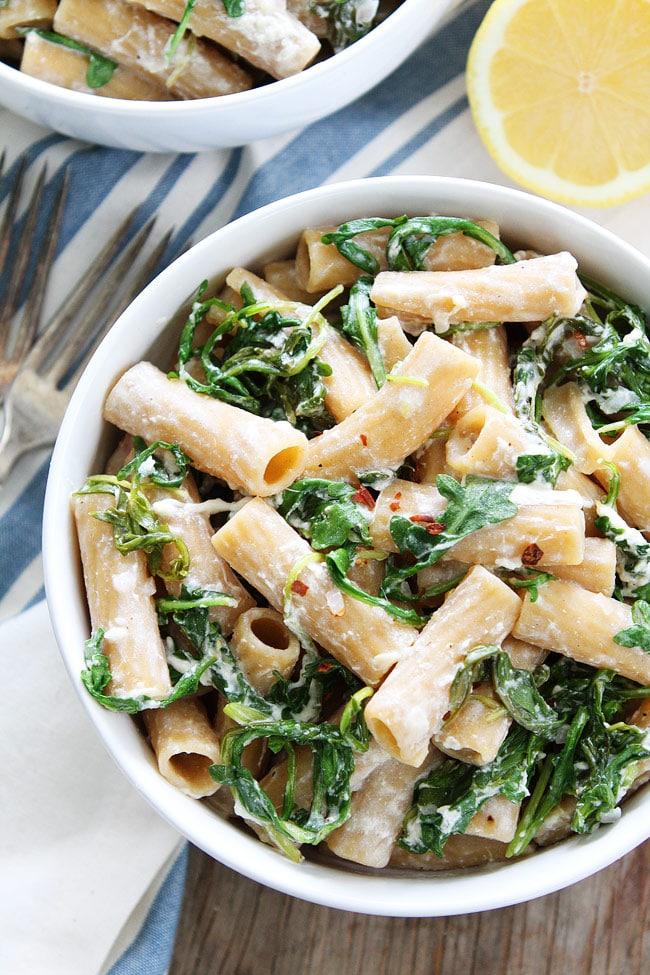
pixel 196 123
pixel 149 330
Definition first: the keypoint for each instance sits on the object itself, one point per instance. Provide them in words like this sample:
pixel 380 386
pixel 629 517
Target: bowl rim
pixel 344 887
pixel 312 76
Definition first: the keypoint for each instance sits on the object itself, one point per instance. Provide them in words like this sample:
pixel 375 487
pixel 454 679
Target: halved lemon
pixel 560 95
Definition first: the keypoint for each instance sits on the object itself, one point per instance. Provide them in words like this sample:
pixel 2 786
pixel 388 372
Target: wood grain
pixel 233 926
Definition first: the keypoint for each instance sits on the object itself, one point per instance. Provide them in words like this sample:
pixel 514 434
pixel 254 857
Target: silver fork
pixel 19 248
pixel 37 397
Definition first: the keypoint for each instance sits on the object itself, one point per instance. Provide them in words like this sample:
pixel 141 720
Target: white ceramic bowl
pixel 82 447
pixel 230 120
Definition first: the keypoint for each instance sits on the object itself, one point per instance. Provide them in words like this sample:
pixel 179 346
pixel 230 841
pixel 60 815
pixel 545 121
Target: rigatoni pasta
pixel 156 49
pixel 393 576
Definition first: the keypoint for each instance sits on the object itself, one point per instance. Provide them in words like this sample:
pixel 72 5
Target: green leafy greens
pixel 359 325
pixel 347 20
pixel 479 502
pixel 568 739
pixel 409 240
pixel 100 69
pixel 332 749
pixel 270 365
pixel 136 527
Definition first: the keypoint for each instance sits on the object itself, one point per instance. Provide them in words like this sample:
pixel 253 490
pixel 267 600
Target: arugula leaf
pixel 359 325
pixel 612 367
pixel 96 675
pixel 136 527
pixel 637 635
pixel 597 760
pixel 234 8
pixel 347 20
pixel 632 553
pixel 149 465
pixel 528 579
pixel 334 516
pixel 515 688
pixel 412 238
pixel 518 691
pixel 531 365
pixel 330 514
pixel 446 800
pixel 100 69
pixel 547 466
pixel 270 364
pixel 610 753
pixel 479 502
pixel 339 563
pixel 332 750
pixel 409 241
pixel 180 31
pixel 472 670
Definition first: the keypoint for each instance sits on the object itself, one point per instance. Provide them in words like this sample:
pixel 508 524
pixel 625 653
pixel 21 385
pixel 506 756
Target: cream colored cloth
pixel 81 852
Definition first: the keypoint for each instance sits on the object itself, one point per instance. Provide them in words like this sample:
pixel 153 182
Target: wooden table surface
pixel 232 926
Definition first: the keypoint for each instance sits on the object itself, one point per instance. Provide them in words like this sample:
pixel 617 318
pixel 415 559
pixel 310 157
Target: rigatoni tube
pixel 260 546
pixel 582 625
pixel 185 745
pixel 399 418
pixel 120 595
pixel 251 453
pixel 526 291
pixel 409 707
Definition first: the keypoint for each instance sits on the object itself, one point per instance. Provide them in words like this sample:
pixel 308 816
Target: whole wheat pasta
pixel 25 13
pixel 488 442
pixel 475 733
pixel 409 707
pixel 120 599
pixel 393 676
pixel 261 547
pixel 320 266
pixel 490 347
pixel 138 39
pixel 572 621
pixel 426 386
pixel 185 745
pixel 552 521
pixel 266 34
pixel 255 454
pixel 264 646
pixel 377 811
pixel 526 291
pixel 66 68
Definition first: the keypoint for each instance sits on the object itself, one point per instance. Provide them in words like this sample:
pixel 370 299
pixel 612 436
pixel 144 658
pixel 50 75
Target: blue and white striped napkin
pixel 64 816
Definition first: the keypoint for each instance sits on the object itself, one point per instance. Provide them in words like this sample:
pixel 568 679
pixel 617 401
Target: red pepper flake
pixel 363 438
pixel 299 588
pixel 325 666
pixel 531 554
pixel 395 503
pixel 363 496
pixel 431 525
pixel 581 339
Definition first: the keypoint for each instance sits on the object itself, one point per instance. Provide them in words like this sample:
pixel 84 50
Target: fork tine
pixel 59 359
pixel 36 296
pixel 141 279
pixel 36 400
pixel 61 319
pixel 12 206
pixel 58 329
pixel 19 260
